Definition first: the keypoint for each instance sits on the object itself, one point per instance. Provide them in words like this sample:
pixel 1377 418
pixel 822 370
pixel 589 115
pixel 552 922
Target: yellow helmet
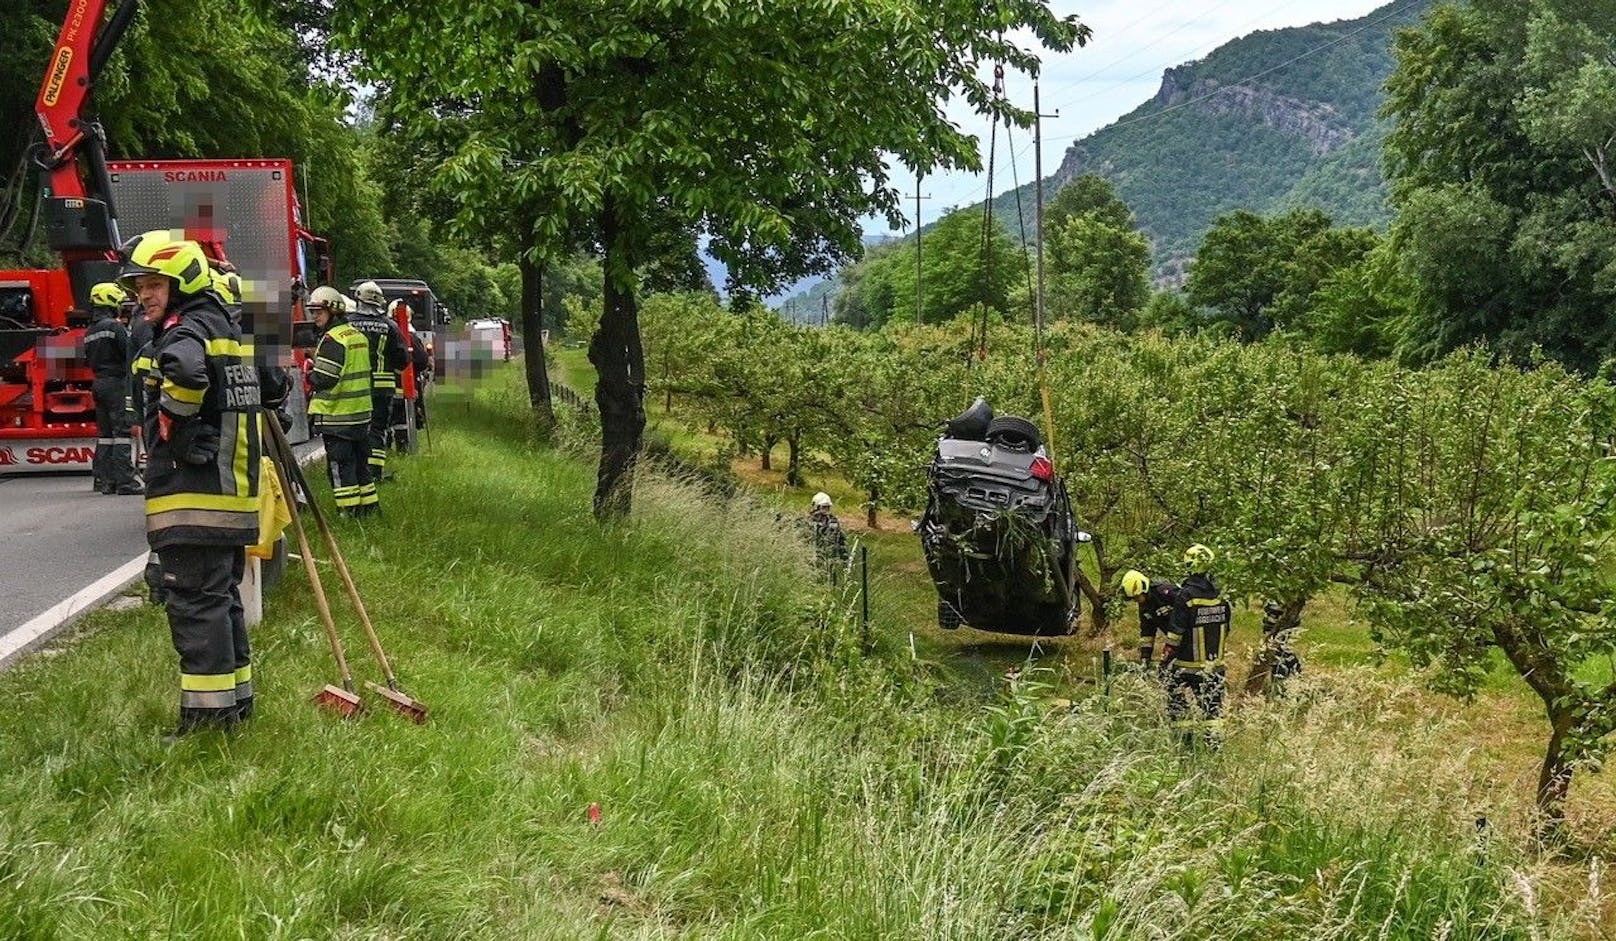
pixel 142 244
pixel 226 285
pixel 1134 584
pixel 1198 558
pixel 182 262
pixel 328 298
pixel 107 294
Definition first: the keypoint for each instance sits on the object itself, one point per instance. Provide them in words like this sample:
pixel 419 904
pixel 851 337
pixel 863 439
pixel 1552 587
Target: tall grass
pixel 756 776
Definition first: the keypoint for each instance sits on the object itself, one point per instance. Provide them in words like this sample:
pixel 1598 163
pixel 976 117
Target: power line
pixel 1150 45
pixel 1188 56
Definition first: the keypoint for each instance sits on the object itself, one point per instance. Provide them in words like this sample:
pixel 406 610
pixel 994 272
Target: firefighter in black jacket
pixel 202 423
pixel 106 351
pixel 1192 661
pixel 1155 597
pixel 388 355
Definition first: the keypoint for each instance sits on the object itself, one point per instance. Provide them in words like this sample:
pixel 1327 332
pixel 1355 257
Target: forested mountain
pixel 1274 120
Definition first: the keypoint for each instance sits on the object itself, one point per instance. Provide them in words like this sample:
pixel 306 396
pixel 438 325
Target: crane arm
pixel 81 224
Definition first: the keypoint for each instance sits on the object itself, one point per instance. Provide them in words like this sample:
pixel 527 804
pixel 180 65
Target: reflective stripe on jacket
pixel 388 354
pixel 202 431
pixel 1200 625
pixel 342 381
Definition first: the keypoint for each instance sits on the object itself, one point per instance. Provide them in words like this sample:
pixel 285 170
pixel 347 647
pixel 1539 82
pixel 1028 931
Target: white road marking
pixel 69 609
pixel 57 617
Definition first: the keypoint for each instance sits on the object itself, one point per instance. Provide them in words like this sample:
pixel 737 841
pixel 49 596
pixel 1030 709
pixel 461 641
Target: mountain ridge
pixel 1273 120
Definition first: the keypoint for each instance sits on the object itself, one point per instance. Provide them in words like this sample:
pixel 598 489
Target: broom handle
pixel 359 606
pixel 342 569
pixel 313 572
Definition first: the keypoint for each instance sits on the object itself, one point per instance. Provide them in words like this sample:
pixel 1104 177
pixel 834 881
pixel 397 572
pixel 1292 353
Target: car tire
pixel 1014 432
pixel 947 617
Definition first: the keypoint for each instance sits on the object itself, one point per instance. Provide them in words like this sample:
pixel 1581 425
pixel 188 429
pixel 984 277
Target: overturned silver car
pixel 998 532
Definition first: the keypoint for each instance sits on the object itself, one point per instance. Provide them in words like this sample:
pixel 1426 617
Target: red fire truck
pixel 247 208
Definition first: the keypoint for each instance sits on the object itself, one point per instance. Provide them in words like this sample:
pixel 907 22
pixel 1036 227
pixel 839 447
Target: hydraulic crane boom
pixel 80 221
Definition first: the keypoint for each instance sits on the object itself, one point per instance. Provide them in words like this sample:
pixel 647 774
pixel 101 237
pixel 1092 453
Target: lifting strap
pixel 979 327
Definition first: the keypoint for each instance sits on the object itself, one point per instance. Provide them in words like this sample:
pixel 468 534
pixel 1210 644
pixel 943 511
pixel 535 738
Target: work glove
pixel 196 442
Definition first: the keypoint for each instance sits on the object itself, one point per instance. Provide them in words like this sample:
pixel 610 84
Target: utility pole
pixel 1038 174
pixel 919 271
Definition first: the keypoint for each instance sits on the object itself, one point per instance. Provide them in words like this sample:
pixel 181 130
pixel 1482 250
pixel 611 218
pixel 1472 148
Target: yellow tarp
pixel 273 513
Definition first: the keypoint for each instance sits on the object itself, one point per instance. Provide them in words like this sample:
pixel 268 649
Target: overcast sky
pixel 1134 42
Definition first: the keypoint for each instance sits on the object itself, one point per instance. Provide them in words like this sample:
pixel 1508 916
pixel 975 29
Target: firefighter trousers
pixel 381 432
pixel 209 630
pixel 113 465
pixel 348 460
pixel 1195 701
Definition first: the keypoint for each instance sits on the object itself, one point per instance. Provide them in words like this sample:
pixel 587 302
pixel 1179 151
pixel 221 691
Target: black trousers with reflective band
pixel 114 462
pixel 381 432
pixel 348 461
pixel 209 631
pixel 1194 696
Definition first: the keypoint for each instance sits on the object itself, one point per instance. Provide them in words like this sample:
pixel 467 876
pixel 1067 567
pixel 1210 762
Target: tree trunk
pixel 769 441
pixel 1099 621
pixel 1261 678
pixel 1554 777
pixel 794 461
pixel 1097 596
pixel 538 376
pixel 619 361
pixel 1542 671
pixel 869 508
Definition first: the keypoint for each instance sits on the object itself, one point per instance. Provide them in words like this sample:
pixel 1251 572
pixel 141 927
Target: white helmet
pixel 327 297
pixel 371 293
pixel 822 500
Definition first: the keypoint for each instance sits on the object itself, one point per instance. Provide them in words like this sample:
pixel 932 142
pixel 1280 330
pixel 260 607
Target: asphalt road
pixel 58 536
pixel 59 539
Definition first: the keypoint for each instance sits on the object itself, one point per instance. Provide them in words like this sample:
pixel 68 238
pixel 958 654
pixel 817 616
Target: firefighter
pixel 1192 660
pixel 830 543
pixel 142 369
pixel 340 410
pixel 388 355
pixel 420 362
pixel 1155 597
pixel 106 351
pixel 202 426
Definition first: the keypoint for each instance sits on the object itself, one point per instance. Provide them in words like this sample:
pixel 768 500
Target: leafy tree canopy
pixel 1505 178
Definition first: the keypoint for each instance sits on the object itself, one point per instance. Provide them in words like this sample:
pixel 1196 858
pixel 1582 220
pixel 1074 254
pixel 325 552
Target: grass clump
pixel 757 777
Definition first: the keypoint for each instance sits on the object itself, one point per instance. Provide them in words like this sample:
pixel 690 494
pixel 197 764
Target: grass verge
pixel 756 776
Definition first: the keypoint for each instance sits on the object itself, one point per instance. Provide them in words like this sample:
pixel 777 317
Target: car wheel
pixel 1011 431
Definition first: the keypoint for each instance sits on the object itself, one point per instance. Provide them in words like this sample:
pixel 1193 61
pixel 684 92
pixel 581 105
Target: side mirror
pixel 305 335
pixel 441 314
